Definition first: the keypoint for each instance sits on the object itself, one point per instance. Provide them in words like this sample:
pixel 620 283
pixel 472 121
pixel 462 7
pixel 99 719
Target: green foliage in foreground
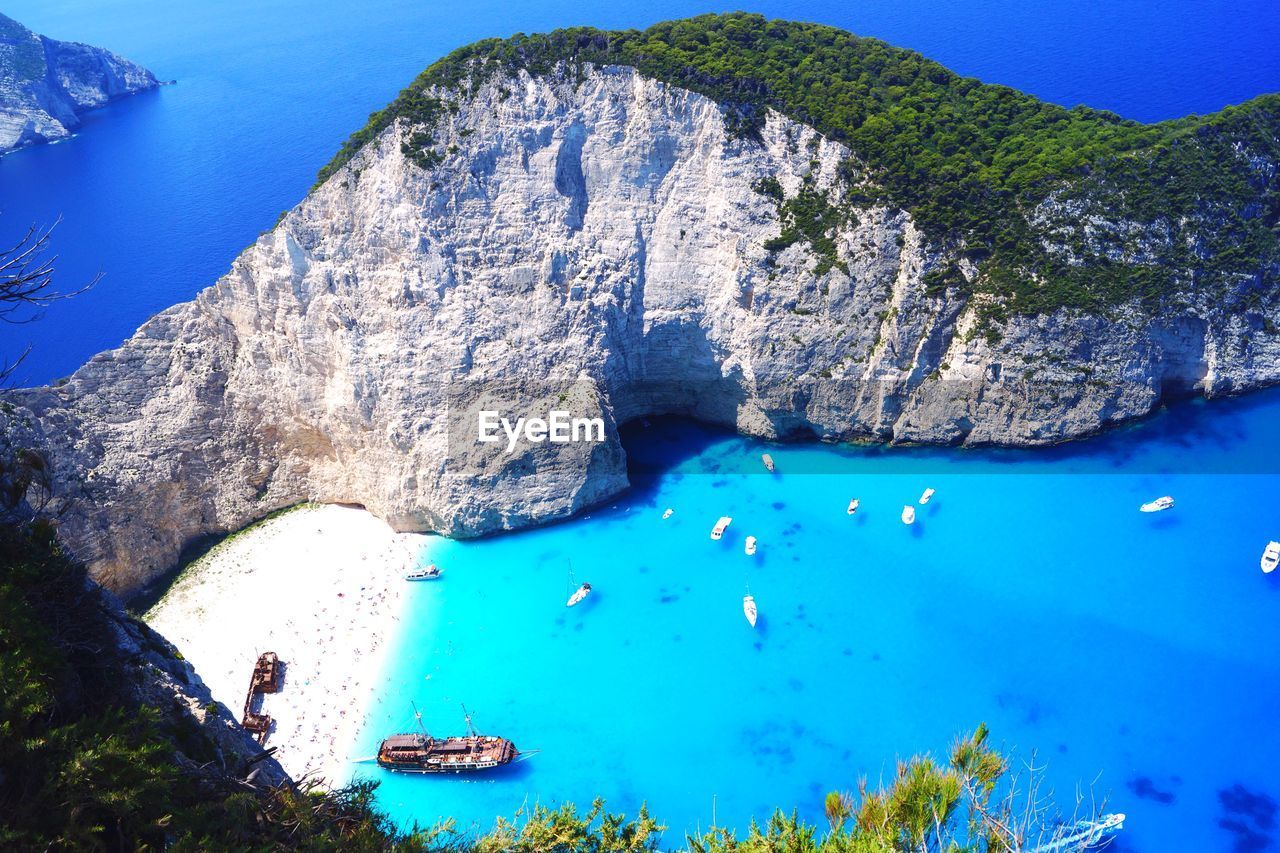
pixel 970 161
pixel 85 764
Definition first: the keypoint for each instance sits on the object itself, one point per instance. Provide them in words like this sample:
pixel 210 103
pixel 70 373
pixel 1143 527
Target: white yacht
pixel 768 462
pixel 1084 835
pixel 908 514
pixel 924 499
pixel 668 513
pixel 749 608
pixel 1157 505
pixel 853 506
pixel 751 545
pixel 1271 557
pixel 721 526
pixel 430 573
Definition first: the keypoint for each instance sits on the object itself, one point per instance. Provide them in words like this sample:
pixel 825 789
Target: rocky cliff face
pixel 155 675
pixel 597 244
pixel 46 84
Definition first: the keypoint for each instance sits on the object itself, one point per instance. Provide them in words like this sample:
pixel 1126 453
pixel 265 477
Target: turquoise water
pixel 160 192
pixel 1135 650
pixel 1029 594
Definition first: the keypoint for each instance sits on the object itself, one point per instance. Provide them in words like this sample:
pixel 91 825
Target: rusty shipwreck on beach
pixel 268 673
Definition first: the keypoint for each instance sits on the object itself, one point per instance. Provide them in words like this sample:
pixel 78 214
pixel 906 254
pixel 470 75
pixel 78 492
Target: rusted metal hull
pixel 267 676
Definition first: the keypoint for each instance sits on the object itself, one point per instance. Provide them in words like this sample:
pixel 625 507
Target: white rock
pixel 596 245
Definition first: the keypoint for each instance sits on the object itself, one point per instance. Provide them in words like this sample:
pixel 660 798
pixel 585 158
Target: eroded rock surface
pixel 595 244
pixel 46 84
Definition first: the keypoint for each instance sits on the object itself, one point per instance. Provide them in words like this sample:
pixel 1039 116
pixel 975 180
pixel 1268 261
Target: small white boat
pixel 1085 835
pixel 668 513
pixel 1157 505
pixel 721 526
pixel 430 573
pixel 749 608
pixel 768 462
pixel 579 594
pixel 924 499
pixel 751 545
pixel 908 514
pixel 853 506
pixel 1271 557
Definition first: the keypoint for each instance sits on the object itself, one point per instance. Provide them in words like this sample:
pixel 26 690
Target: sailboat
pixel 908 514
pixel 853 506
pixel 749 607
pixel 578 594
pixel 924 499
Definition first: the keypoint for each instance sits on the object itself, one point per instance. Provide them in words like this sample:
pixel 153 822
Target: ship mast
pixel 466 715
pixel 417 715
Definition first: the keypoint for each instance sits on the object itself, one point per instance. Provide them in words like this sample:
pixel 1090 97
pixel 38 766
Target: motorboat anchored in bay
pixel 908 514
pixel 1157 505
pixel 721 526
pixel 430 573
pixel 1271 557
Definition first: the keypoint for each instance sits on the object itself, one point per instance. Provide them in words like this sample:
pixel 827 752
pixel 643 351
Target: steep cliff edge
pixel 105 732
pixel 46 84
pixel 531 228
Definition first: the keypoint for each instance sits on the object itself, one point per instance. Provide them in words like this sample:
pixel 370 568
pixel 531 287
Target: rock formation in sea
pixel 587 237
pixel 46 84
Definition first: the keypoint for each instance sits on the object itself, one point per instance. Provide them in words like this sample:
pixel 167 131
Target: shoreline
pixel 322 587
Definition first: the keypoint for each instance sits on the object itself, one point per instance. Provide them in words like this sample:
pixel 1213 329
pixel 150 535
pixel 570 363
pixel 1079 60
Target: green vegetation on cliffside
pixel 998 176
pixel 94 757
pixel 87 762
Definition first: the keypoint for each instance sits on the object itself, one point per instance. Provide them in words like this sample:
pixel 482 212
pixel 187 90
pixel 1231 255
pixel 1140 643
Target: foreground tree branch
pixel 26 283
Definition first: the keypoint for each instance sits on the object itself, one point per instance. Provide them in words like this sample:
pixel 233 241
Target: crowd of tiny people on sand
pixel 321 586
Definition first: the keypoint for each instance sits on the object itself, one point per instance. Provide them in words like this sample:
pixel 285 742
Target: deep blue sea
pixel 1135 653
pixel 161 191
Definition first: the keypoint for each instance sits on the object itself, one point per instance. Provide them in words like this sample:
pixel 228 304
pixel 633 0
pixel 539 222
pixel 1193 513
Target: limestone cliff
pixel 45 84
pixel 592 239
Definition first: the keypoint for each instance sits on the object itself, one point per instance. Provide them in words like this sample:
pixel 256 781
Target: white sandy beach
pixel 321 587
